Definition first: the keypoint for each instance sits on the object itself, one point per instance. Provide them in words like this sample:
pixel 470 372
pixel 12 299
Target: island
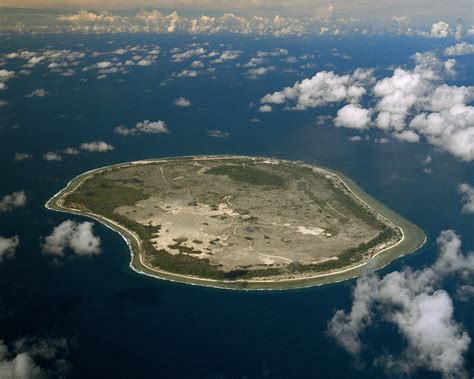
pixel 241 222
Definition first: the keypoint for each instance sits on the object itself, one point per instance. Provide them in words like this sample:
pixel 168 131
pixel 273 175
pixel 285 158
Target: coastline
pixel 412 237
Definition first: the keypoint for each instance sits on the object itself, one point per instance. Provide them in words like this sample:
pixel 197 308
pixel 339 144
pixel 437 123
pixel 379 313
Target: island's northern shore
pixel 412 237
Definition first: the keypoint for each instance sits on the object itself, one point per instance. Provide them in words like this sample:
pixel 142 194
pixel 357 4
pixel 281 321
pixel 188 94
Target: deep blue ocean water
pixel 121 324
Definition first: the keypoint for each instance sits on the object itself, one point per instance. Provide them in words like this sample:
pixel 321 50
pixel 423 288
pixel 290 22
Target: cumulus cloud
pixel 440 30
pixel 255 73
pixel 40 92
pixel 12 201
pixel 227 55
pixel 6 75
pixel 275 53
pixel 71 151
pixel 421 311
pixel 217 133
pixel 260 18
pixel 96 147
pixel 34 358
pixel 59 61
pixel 467 192
pixel 71 235
pixel 409 104
pixel 8 247
pixel 197 64
pixel 416 102
pixel 182 102
pixel 146 126
pixel 462 48
pixel 51 156
pixel 187 74
pixel 179 57
pixel 397 94
pixel 407 136
pixel 352 116
pixel 323 88
pixel 22 156
pixel 265 108
pixel 88 17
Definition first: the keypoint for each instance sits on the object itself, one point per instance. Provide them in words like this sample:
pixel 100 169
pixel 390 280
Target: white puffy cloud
pixel 254 62
pixel 256 18
pixel 144 62
pixel 275 53
pixel 421 311
pixel 440 30
pixel 90 17
pixel 265 108
pixel 197 64
pixel 40 92
pixel 182 102
pixel 34 61
pixel 458 34
pixel 96 147
pixel 217 133
pixel 146 126
pixel 406 89
pixel 155 127
pixel 6 75
pixel 179 57
pixel 22 156
pixel 3 103
pixel 120 51
pixel 462 48
pixel 450 129
pixel 407 136
pixel 51 156
pixel 323 88
pixel 355 138
pixel 409 104
pixel 124 131
pixel 103 64
pixel 71 151
pixel 8 247
pixel 187 74
pixel 417 99
pixel 352 116
pixel 227 55
pixel 25 358
pixel 76 236
pixel 467 192
pixel 255 73
pixel 12 201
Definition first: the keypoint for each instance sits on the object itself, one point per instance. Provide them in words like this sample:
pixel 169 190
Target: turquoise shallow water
pixel 123 324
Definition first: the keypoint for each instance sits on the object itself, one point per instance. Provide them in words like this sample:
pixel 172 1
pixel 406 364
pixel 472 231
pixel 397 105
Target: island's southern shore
pixel 412 237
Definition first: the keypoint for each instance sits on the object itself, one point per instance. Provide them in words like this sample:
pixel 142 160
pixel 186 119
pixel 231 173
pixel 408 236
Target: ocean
pixel 122 324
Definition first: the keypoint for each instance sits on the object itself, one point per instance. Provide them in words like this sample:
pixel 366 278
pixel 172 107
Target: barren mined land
pixel 241 222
